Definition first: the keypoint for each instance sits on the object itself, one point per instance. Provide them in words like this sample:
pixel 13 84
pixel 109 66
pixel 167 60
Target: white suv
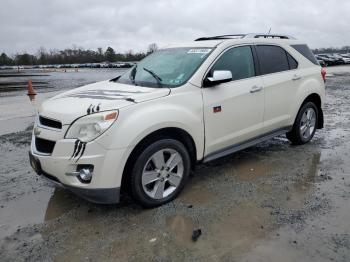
pixel 145 130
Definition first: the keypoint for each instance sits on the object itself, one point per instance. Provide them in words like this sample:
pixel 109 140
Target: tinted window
pixel 238 60
pixel 293 64
pixel 306 52
pixel 272 59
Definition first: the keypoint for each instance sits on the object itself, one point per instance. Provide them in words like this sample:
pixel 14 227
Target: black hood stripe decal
pixel 101 97
pixel 104 94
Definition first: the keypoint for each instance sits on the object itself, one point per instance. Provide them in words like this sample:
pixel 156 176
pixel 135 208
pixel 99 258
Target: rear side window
pixel 272 59
pixel 306 52
pixel 238 60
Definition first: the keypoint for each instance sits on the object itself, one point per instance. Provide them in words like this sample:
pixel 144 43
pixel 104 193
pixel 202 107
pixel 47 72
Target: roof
pixel 241 36
pixel 213 41
pixel 209 43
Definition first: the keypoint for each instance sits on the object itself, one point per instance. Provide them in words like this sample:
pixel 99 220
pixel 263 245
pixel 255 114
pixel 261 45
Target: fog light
pixel 85 173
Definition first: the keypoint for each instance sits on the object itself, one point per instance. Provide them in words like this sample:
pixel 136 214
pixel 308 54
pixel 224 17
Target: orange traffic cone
pixel 31 93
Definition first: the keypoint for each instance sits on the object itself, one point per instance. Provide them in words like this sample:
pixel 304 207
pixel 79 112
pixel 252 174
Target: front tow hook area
pixel 35 163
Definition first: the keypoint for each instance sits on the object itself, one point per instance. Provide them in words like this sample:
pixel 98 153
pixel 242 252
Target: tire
pixel 305 125
pixel 155 169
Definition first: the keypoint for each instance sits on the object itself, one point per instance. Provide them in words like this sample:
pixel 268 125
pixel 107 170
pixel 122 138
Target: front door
pixel 233 111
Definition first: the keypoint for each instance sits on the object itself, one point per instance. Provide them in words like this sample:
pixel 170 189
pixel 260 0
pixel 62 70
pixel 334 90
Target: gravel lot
pixel 271 202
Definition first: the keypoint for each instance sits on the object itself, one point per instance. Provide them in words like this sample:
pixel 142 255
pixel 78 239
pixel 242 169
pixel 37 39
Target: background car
pixel 326 59
pixel 345 58
pixel 321 62
pixel 338 59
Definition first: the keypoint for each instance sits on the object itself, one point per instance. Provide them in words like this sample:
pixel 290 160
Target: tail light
pixel 323 74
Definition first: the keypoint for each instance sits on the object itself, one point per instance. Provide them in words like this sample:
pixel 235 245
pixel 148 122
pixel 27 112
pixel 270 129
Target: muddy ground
pixel 271 202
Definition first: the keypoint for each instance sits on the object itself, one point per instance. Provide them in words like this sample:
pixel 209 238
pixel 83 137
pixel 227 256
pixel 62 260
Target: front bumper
pixel 95 195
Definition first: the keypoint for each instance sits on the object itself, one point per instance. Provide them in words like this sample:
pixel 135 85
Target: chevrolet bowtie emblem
pixel 36 131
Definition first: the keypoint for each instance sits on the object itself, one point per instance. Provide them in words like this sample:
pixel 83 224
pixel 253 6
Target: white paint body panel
pixel 241 116
pixel 244 115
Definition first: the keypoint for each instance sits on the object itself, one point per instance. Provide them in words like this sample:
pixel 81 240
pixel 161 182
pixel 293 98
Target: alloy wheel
pixel 162 173
pixel 308 123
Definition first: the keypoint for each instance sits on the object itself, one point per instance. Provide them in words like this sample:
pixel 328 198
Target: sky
pixel 26 25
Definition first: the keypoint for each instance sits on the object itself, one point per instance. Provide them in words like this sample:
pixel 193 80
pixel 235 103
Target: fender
pixel 138 121
pixel 308 87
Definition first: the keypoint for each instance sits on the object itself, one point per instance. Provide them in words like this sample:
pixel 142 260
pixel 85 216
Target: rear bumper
pixel 95 195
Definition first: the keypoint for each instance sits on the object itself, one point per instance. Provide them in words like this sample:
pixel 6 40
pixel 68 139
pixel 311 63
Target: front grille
pixel 50 122
pixel 44 146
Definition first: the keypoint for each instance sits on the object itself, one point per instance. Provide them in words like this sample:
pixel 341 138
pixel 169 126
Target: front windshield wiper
pixel 157 77
pixel 132 75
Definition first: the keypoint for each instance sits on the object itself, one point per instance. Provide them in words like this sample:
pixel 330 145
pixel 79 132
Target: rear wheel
pixel 305 124
pixel 160 172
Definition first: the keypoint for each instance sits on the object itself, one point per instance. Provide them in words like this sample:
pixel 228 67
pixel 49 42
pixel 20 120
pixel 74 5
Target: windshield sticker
pixel 180 76
pixel 199 51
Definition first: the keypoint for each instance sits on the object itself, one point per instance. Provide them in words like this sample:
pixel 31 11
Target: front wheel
pixel 305 124
pixel 160 172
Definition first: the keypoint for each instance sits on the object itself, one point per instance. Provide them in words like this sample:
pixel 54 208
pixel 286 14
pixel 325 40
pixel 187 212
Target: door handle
pixel 296 77
pixel 256 89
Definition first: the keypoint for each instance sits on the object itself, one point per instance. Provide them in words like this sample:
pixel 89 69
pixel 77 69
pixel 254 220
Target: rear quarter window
pixel 306 52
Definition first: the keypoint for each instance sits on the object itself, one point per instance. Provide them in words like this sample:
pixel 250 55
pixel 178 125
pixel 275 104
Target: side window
pixel 293 64
pixel 238 60
pixel 272 59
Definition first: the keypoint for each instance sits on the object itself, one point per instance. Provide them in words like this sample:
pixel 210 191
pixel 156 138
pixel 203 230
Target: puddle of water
pixel 17 113
pixel 181 227
pixel 278 249
pixel 225 238
pixel 42 206
pixel 324 238
pixel 250 169
pixel 16 124
pixel 121 250
pixel 195 193
pixel 61 202
pixel 301 190
pixel 242 227
pixel 29 209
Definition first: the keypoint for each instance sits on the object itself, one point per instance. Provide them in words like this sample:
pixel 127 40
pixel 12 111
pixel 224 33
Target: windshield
pixel 166 68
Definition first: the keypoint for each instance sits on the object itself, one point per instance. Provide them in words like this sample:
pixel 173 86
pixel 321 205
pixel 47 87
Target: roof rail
pixel 280 36
pixel 221 37
pixel 240 36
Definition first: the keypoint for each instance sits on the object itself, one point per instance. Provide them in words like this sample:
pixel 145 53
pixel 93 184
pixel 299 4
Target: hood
pixel 101 96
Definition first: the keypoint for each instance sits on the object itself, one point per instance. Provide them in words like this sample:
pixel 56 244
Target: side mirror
pixel 219 76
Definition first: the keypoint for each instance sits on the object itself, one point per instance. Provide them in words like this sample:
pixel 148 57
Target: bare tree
pixel 42 55
pixel 152 48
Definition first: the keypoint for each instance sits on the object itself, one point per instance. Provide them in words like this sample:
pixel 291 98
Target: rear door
pixel 233 111
pixel 280 78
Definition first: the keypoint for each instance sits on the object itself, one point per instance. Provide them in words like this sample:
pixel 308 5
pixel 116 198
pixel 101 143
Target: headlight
pixel 89 127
